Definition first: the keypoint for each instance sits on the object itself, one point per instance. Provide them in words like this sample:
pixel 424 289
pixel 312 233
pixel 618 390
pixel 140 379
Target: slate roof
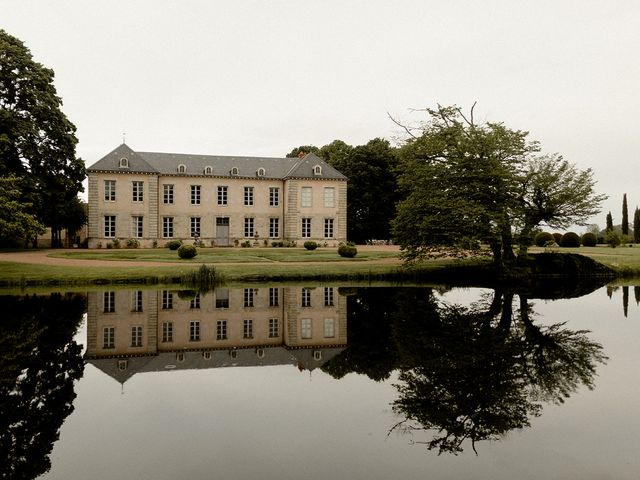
pixel 167 164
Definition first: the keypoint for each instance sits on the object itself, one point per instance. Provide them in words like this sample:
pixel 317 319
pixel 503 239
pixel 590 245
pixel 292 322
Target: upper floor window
pixel 223 197
pixel 208 170
pixel 248 196
pixel 195 194
pixel 109 190
pixel 137 191
pixel 167 194
pixel 182 168
pixel 136 336
pixel 124 163
pixel 109 302
pixel 274 196
pixel 109 337
pixel 305 197
pixel 317 170
pixel 329 197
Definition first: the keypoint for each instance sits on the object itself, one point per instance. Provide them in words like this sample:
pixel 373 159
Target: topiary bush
pixel 348 251
pixel 310 245
pixel 570 240
pixel 557 237
pixel 133 243
pixel 173 244
pixel 187 251
pixel 543 238
pixel 589 240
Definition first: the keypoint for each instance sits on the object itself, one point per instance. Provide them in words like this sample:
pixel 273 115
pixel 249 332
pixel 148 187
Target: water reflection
pixel 39 363
pixel 130 332
pixel 466 373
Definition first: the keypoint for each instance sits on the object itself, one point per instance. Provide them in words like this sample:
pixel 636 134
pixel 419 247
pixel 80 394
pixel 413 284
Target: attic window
pixel 317 170
pixel 259 353
pixel 182 168
pixel 124 163
pixel 234 171
pixel 208 170
pixel 206 355
pixel 317 355
pixel 260 172
pixel 122 365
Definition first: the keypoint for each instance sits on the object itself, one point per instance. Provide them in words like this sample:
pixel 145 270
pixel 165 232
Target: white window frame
pixel 247 329
pixel 274 196
pixel 329 197
pixel 109 302
pixel 329 228
pixel 167 300
pixel 223 195
pixel 136 336
pixel 136 301
pixel 274 328
pixel 137 191
pixel 109 337
pixel 248 297
pixel 306 197
pixel 110 226
pixel 109 190
pixel 248 196
pixel 305 297
pixel 137 226
pixel 167 227
pixel 195 194
pixel 328 297
pixel 194 229
pixel 167 332
pixel 305 227
pixel 249 227
pixel 221 330
pixel 274 227
pixel 274 297
pixel 167 193
pixel 194 331
pixel 306 328
pixel 329 328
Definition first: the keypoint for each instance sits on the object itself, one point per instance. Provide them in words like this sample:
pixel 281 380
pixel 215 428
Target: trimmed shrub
pixel 557 237
pixel 348 251
pixel 133 243
pixel 589 240
pixel 187 251
pixel 544 238
pixel 246 244
pixel 116 243
pixel 310 245
pixel 173 244
pixel 569 240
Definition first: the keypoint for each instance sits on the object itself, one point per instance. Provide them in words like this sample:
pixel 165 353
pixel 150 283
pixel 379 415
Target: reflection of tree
pixel 39 362
pixel 471 373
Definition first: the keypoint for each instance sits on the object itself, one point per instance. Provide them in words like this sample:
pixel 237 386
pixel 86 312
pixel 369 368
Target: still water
pixel 322 382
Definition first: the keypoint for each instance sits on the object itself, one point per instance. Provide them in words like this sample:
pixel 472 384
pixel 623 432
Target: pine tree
pixel 609 222
pixel 636 226
pixel 625 216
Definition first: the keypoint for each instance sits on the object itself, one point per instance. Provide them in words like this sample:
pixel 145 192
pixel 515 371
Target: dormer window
pixel 260 172
pixel 124 163
pixel 208 170
pixel 317 170
pixel 182 168
pixel 234 171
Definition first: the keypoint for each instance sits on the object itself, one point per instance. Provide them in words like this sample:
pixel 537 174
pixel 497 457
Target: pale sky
pixel 261 77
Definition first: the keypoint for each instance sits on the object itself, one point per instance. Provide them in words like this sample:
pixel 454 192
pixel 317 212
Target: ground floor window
pixel 110 226
pixel 136 226
pixel 136 336
pixel 109 337
pixel 328 228
pixel 274 330
pixel 167 227
pixel 249 227
pixel 195 227
pixel 221 330
pixel 274 228
pixel 247 331
pixel 109 302
pixel 306 228
pixel 194 331
pixel 305 328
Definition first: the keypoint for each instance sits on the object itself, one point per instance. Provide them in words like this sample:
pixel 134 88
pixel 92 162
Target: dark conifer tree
pixel 636 226
pixel 625 216
pixel 609 222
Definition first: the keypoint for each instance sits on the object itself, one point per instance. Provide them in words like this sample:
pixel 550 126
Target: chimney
pixel 301 154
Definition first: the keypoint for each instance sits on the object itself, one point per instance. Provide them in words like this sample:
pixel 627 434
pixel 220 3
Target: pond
pixel 284 382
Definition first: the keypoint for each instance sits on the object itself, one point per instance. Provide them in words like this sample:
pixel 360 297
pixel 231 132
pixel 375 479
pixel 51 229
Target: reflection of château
pixel 132 331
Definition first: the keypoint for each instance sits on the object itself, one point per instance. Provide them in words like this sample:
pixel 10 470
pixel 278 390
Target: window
pixel 306 228
pixel 248 227
pixel 136 301
pixel 222 298
pixel 305 297
pixel 247 331
pixel 194 331
pixel 208 170
pixel 274 227
pixel 167 227
pixel 223 195
pixel 328 296
pixel 328 228
pixel 206 355
pixel 182 168
pixel 109 302
pixel 260 172
pixel 221 330
pixel 110 226
pixel 274 297
pixel 317 355
pixel 274 330
pixel 234 171
pixel 249 294
pixel 124 163
pixel 248 196
pixel 136 226
pixel 329 197
pixel 305 197
pixel 305 328
pixel 137 191
pixel 109 190
pixel 195 226
pixel 317 170
pixel 136 336
pixel 109 337
pixel 274 196
pixel 167 194
pixel 167 300
pixel 194 303
pixel 167 332
pixel 195 194
pixel 329 328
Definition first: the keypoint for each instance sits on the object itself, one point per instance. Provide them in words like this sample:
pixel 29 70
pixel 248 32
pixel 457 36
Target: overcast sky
pixel 261 77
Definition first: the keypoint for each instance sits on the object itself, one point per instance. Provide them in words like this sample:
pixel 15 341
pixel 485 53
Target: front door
pixel 222 231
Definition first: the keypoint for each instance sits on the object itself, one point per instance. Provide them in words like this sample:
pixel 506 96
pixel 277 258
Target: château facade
pixel 220 200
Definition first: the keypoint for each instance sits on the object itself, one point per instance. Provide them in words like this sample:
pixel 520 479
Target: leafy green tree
pixel 625 216
pixel 15 219
pixel 302 149
pixel 37 141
